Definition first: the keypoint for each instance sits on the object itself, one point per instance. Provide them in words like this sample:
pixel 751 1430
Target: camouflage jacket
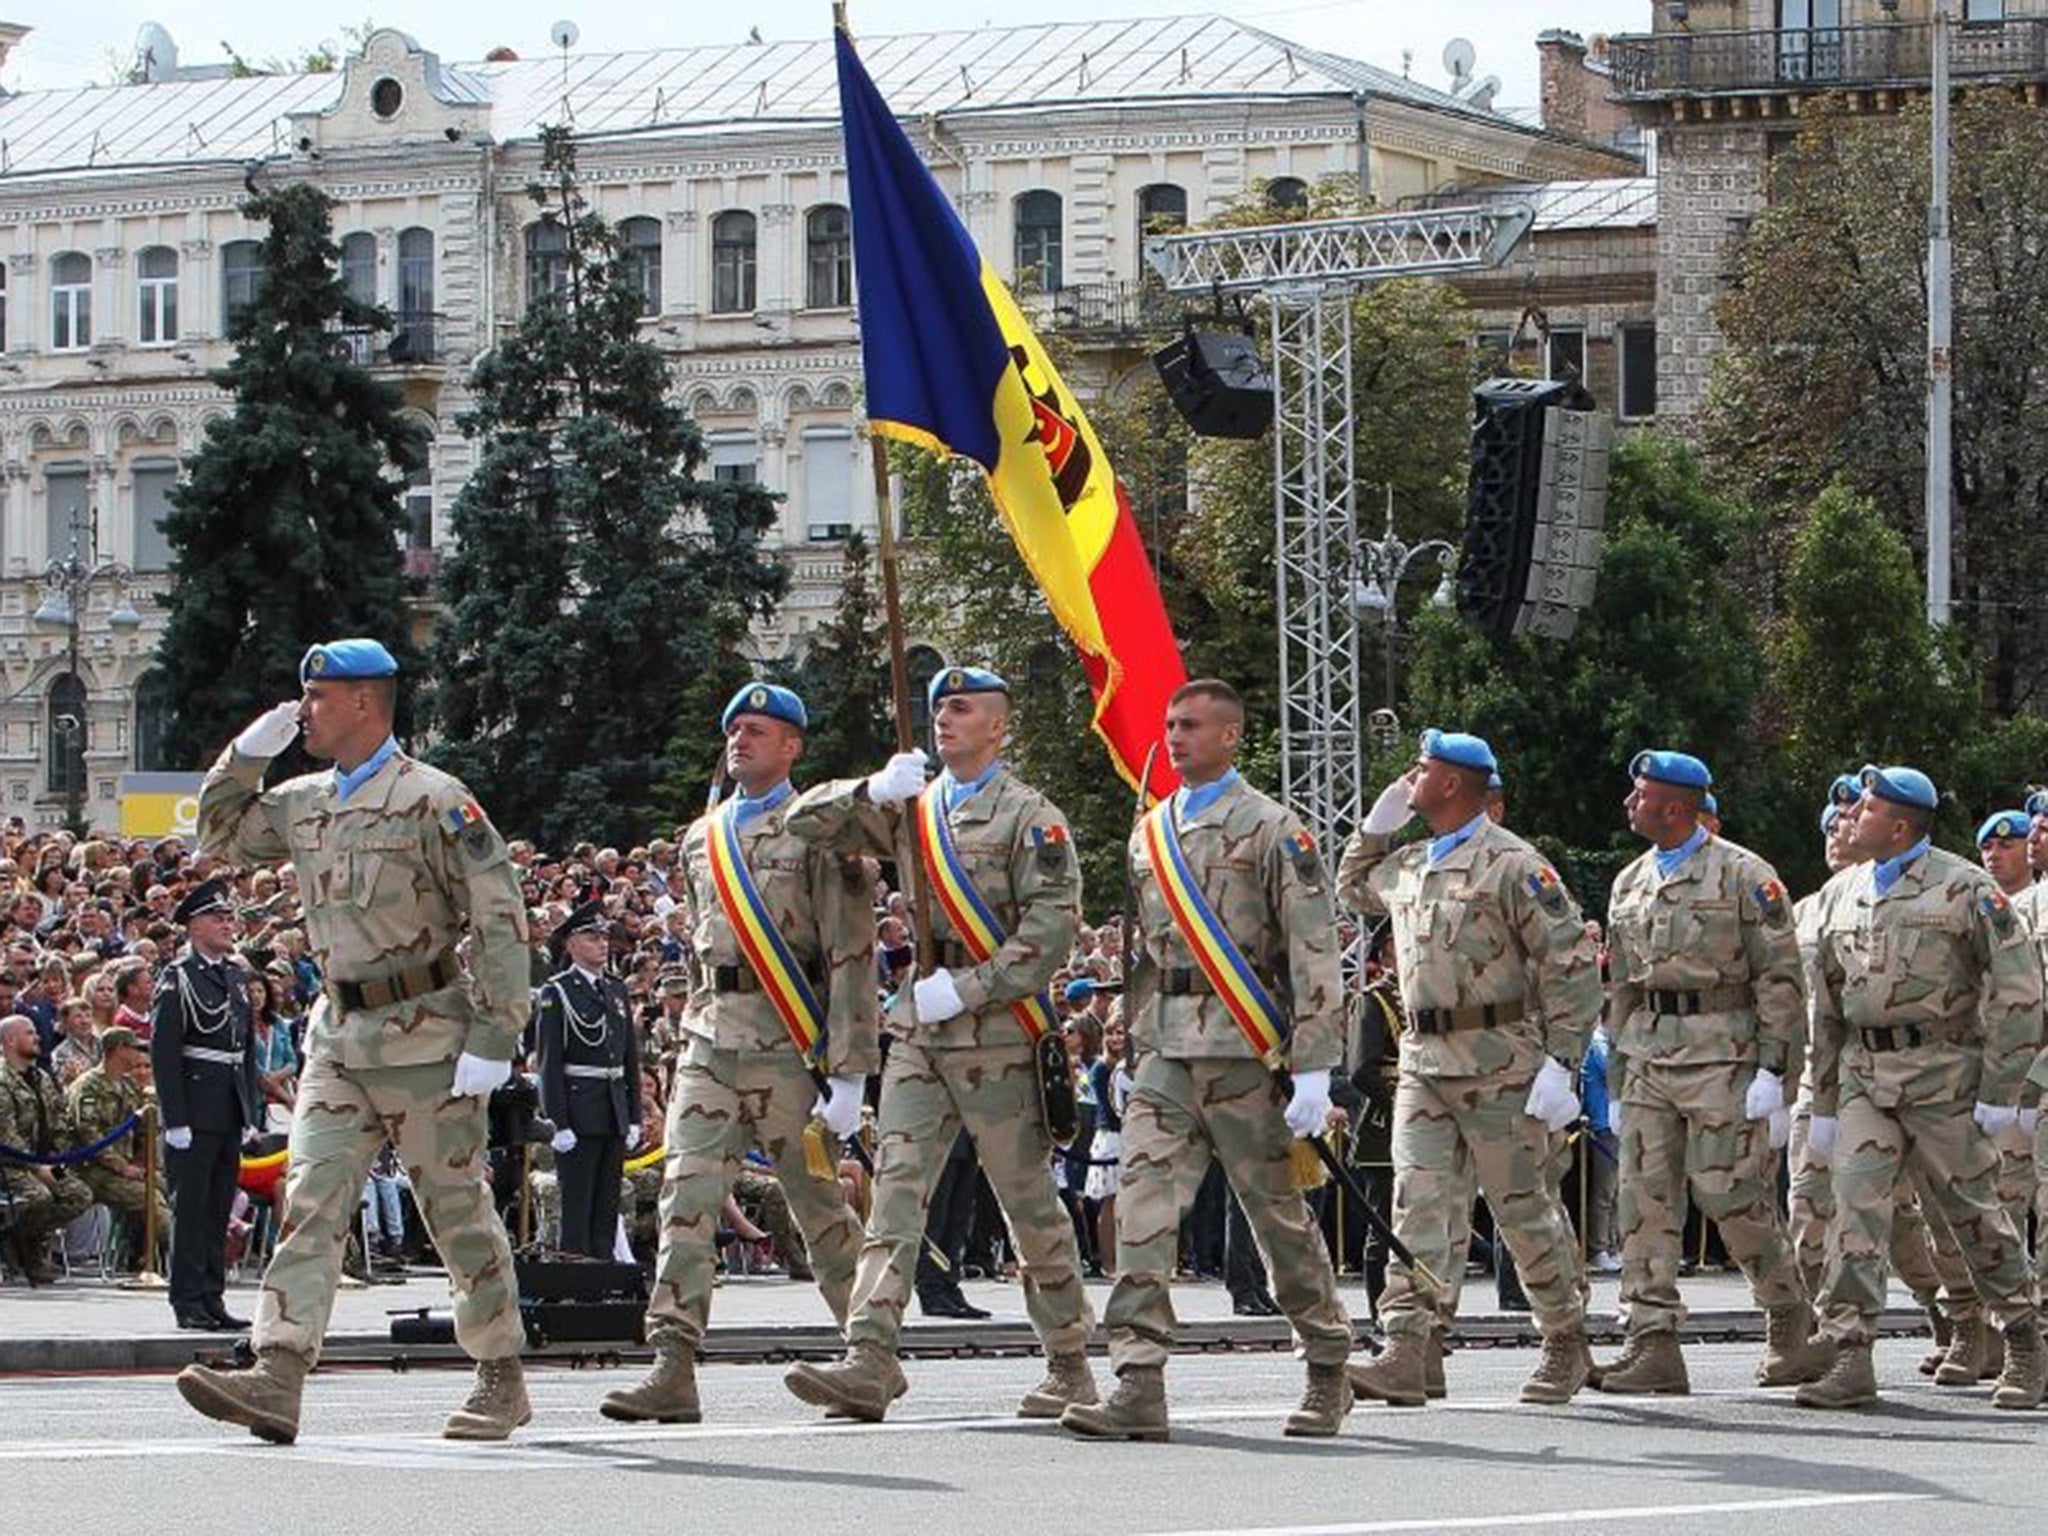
pixel 392 879
pixel 1263 879
pixel 1024 869
pixel 1475 929
pixel 32 1113
pixel 1721 928
pixel 2032 906
pixel 820 902
pixel 97 1103
pixel 1943 952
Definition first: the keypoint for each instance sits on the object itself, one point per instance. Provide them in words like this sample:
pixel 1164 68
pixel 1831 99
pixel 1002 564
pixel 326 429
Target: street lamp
pixel 1385 561
pixel 67 590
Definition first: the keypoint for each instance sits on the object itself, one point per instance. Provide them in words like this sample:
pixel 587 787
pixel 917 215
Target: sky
pixel 81 44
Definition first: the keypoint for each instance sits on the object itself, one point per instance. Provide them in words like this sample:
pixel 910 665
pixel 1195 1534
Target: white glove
pixel 565 1140
pixel 1781 1127
pixel 1309 1106
pixel 632 1138
pixel 1820 1139
pixel 2029 1120
pixel 1551 1099
pixel 936 997
pixel 1391 812
pixel 178 1137
pixel 1766 1096
pixel 899 779
pixel 839 1105
pixel 474 1075
pixel 270 732
pixel 1994 1118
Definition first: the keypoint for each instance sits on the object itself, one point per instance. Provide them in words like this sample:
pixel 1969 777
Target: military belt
pixel 1183 981
pixel 737 978
pixel 1442 1021
pixel 208 1053
pixel 1707 1000
pixel 1900 1037
pixel 382 992
pixel 581 1071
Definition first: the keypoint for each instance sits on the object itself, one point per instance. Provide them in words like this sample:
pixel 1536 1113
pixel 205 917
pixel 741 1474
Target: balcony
pixel 1799 61
pixel 1101 312
pixel 410 343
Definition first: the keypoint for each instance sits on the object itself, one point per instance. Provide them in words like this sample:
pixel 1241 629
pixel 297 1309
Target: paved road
pixel 127 1455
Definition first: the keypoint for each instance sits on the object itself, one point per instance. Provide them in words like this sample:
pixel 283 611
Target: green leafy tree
pixel 843 679
pixel 598 588
pixel 286 527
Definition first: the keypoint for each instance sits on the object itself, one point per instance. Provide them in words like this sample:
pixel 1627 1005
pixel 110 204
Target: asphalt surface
pixel 124 1453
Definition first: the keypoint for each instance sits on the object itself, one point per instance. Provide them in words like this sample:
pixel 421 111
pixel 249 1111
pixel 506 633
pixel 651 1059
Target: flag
pixel 952 366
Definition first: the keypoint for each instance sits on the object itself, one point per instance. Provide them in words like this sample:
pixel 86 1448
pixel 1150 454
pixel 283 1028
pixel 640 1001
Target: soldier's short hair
pixel 1210 688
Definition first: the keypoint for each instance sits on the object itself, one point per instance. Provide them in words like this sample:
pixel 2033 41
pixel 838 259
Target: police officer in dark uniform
pixel 202 1053
pixel 589 1081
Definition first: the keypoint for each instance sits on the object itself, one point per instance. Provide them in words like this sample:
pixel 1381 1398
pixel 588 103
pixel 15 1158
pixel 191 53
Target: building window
pixel 66 726
pixel 1161 206
pixel 828 483
pixel 828 254
pixel 732 263
pixel 735 458
pixel 1564 353
pixel 1983 10
pixel 152 722
pixel 547 261
pixel 1810 39
pixel 68 523
pixel 1638 372
pixel 640 254
pixel 156 281
pixel 1038 219
pixel 3 306
pixel 71 302
pixel 1287 194
pixel 420 558
pixel 359 266
pixel 922 663
pixel 153 482
pixel 414 339
pixel 241 275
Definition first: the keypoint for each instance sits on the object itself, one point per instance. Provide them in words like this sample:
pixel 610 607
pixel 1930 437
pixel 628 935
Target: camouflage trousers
pixel 1449 1132
pixel 1180 1112
pixel 37 1209
pixel 1956 1167
pixel 1558 1163
pixel 343 1118
pixel 2016 1182
pixel 126 1197
pixel 721 1103
pixel 1683 1127
pixel 1924 1269
pixel 927 1096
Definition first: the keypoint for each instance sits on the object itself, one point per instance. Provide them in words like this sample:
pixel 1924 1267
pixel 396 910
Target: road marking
pixel 1565 1516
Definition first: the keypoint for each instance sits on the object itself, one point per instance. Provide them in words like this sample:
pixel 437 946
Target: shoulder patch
pixel 1052 840
pixel 1549 894
pixel 1300 848
pixel 1998 912
pixel 1770 901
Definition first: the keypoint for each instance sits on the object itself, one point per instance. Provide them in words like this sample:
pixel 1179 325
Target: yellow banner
pixel 160 804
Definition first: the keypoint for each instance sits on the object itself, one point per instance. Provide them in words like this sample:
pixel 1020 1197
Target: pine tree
pixel 286 529
pixel 844 679
pixel 596 582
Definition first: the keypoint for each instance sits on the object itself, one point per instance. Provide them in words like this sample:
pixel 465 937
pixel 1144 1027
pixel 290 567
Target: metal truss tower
pixel 1307 274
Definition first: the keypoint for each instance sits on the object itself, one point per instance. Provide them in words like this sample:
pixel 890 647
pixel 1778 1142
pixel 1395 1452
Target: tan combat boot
pixel 1788 1358
pixel 1566 1363
pixel 1324 1403
pixel 1850 1381
pixel 1136 1410
pixel 1400 1374
pixel 1994 1352
pixel 861 1386
pixel 1968 1349
pixel 496 1405
pixel 263 1399
pixel 1651 1364
pixel 1067 1381
pixel 1433 1365
pixel 1944 1331
pixel 668 1395
pixel 2025 1378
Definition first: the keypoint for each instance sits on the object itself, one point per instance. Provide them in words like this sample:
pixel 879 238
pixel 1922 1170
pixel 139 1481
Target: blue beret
pixel 1680 768
pixel 1901 786
pixel 766 699
pixel 1080 989
pixel 2037 803
pixel 1846 790
pixel 1829 815
pixel 2003 824
pixel 951 680
pixel 1709 804
pixel 346 661
pixel 1493 781
pixel 1457 748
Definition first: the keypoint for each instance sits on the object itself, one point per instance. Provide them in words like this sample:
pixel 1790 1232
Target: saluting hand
pixel 270 732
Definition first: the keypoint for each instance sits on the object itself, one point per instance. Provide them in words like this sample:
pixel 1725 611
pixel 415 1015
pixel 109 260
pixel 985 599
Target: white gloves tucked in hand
pixel 1781 1127
pixel 178 1137
pixel 1551 1098
pixel 1820 1139
pixel 565 1140
pixel 633 1138
pixel 1309 1105
pixel 1390 813
pixel 270 732
pixel 1994 1118
pixel 839 1105
pixel 936 997
pixel 901 778
pixel 1766 1096
pixel 474 1075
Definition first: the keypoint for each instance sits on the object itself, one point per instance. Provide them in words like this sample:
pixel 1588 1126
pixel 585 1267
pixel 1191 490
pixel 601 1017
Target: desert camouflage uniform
pixel 393 878
pixel 1467 931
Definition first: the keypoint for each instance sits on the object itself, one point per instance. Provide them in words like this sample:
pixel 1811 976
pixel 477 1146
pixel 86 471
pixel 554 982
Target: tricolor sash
pixel 972 918
pixel 1230 974
pixel 767 952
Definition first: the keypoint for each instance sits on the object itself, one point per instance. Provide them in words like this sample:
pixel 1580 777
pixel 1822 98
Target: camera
pixel 515 1117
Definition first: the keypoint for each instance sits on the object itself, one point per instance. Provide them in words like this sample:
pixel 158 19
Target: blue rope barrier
pixel 76 1155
